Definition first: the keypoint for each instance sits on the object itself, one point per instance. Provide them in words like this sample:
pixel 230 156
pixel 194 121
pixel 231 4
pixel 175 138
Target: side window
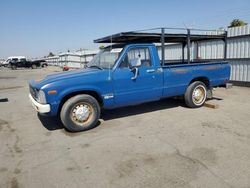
pixel 137 53
pixel 124 63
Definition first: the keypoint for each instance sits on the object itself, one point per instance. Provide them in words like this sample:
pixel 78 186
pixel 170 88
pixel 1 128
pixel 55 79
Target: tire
pixel 13 67
pixel 74 119
pixel 196 94
pixel 33 66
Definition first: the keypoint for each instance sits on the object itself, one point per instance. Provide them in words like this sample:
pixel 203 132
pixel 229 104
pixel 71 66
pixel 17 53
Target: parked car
pixel 15 63
pixel 129 73
pixel 1 62
pixel 12 58
pixel 43 63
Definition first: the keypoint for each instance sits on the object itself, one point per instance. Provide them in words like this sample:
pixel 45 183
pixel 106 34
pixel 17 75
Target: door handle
pixel 150 70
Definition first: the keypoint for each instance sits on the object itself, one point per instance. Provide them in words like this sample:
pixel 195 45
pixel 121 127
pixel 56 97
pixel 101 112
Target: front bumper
pixel 41 108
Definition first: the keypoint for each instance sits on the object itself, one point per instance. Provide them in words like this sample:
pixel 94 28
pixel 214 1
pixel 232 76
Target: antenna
pixel 111 42
pixel 109 78
pixel 185 25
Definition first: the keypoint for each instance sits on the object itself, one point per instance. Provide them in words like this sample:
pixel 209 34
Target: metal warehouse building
pixel 75 59
pixel 238 52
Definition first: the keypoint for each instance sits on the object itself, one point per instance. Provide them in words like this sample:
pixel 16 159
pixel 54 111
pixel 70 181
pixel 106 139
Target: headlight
pixel 41 98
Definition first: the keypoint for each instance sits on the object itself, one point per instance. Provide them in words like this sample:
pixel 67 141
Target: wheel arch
pixel 203 79
pixel 92 93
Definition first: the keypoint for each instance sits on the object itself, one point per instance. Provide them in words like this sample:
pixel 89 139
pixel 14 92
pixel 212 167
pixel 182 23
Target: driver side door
pixel 147 85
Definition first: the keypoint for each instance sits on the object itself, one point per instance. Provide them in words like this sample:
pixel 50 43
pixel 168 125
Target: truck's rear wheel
pixel 80 113
pixel 196 94
pixel 13 67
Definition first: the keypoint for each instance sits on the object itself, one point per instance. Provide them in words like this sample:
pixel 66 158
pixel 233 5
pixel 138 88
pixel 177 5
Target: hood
pixel 65 75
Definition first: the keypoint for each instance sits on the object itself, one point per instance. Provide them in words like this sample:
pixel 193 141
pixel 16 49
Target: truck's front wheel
pixel 80 113
pixel 196 94
pixel 33 66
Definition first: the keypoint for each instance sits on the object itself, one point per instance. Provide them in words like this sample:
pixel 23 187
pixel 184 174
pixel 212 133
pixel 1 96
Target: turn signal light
pixel 52 92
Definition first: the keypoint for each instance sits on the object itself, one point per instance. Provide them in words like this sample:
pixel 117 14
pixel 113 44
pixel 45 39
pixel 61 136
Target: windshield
pixel 105 59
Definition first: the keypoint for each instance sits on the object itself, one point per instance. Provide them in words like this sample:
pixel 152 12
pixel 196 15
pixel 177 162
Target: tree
pixel 101 47
pixel 51 54
pixel 237 23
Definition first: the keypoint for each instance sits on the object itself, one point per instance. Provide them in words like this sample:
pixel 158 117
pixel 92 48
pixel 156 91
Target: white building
pixel 75 59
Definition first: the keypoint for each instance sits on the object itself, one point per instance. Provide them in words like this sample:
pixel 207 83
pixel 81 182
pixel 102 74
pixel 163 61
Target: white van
pixel 5 63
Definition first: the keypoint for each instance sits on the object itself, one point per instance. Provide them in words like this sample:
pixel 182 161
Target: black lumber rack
pixel 185 38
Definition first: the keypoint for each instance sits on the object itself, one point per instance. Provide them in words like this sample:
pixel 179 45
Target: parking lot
pixel 160 144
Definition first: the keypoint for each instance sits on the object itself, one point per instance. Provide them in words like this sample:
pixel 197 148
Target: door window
pixel 137 53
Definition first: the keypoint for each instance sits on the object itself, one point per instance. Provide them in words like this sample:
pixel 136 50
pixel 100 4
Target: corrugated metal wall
pixel 238 52
pixel 238 47
pixel 236 31
pixel 240 70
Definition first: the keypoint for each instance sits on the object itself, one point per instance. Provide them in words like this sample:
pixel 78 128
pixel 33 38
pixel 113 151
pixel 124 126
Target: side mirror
pixel 136 72
pixel 133 65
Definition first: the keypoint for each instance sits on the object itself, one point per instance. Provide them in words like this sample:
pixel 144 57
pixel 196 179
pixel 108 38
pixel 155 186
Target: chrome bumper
pixel 41 108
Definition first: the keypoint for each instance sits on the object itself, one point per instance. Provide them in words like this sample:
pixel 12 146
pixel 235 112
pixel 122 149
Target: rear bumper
pixel 41 108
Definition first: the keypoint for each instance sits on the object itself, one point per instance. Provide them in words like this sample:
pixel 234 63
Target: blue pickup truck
pixel 129 72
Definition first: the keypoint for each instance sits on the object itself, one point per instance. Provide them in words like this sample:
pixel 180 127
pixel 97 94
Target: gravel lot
pixel 160 144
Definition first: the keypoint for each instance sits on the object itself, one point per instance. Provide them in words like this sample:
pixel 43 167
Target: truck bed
pixel 197 61
pixel 177 76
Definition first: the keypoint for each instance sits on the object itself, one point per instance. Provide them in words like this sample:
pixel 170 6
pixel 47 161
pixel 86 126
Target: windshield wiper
pixel 95 66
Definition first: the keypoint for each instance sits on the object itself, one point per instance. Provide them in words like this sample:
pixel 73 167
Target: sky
pixel 33 28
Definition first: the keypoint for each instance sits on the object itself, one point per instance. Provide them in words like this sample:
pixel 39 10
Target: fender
pixel 77 88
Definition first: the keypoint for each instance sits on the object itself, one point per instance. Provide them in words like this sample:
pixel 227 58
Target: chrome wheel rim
pixel 81 113
pixel 199 95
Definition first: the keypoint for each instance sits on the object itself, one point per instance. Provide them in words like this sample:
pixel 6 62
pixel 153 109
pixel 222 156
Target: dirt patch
pixel 3 169
pixel 70 168
pixel 17 171
pixel 14 183
pixel 3 123
pixel 48 134
pixel 10 128
pixel 14 87
pixel 223 129
pixel 173 170
pixel 7 77
pixel 10 150
pixel 17 149
pixel 85 145
pixel 205 155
